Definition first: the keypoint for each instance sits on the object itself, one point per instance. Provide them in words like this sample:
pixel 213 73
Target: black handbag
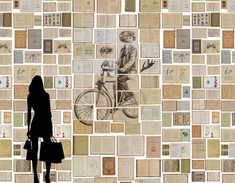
pixel 51 151
pixel 28 147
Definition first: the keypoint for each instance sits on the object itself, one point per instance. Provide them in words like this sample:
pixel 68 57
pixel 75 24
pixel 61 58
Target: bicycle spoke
pixel 83 109
pixel 102 101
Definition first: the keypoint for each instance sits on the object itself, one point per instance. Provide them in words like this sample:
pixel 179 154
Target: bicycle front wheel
pixel 87 101
pixel 130 108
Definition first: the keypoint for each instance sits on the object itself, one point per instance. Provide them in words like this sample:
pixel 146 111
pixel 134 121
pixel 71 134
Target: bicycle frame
pixel 101 86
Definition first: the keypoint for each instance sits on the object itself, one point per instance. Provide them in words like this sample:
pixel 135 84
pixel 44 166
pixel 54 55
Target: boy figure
pixel 126 63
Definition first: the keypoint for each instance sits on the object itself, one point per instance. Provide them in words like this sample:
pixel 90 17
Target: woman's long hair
pixel 36 86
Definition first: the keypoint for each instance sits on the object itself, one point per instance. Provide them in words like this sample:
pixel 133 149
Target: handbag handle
pixel 53 139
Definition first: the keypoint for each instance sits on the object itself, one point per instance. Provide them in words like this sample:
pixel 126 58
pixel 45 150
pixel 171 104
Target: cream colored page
pixel 170 135
pixel 96 146
pixel 136 145
pixel 94 166
pixel 179 5
pixel 80 166
pixel 125 168
pixel 172 20
pixel 123 145
pixel 108 145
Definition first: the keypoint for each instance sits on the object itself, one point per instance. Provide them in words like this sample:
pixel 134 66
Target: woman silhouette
pixel 41 125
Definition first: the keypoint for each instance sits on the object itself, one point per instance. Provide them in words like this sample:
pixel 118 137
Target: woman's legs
pixel 35 158
pixel 48 163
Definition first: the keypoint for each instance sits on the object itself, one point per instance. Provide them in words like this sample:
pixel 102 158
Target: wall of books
pixel 140 90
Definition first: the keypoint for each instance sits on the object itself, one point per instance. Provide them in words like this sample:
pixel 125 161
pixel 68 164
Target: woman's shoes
pixel 36 179
pixel 47 178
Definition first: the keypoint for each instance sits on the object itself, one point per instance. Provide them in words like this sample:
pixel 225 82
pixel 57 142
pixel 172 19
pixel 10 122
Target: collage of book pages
pixel 140 91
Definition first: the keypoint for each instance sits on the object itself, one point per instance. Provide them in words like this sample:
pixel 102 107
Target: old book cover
pixel 49 6
pixel 47 46
pixel 228 178
pixel 80 128
pixel 7 19
pixel 227 39
pixel 34 39
pixel 181 118
pixel 117 127
pixel 198 148
pixel 20 91
pixel 198 6
pixel 196 46
pixel 80 145
pixel 171 20
pixel 153 147
pixel 168 105
pixel 148 168
pixel 150 5
pixel 101 180
pixel 171 165
pixel 215 19
pixel 213 148
pixel 20 39
pixel 66 19
pixel 132 128
pixel 130 5
pixel 196 131
pixel 83 5
pixel 198 176
pixel 185 165
pixel 102 126
pixel 6 148
pixel 176 178
pixel 109 6
pixel 212 164
pixel 227 165
pixel 197 83
pixel 171 135
pixel 150 96
pixel 169 39
pixel 171 91
pixel 183 38
pixel 108 165
pixel 213 176
pixel 227 20
pixel 198 164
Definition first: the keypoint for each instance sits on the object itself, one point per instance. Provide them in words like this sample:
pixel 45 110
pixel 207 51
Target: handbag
pixel 51 151
pixel 28 147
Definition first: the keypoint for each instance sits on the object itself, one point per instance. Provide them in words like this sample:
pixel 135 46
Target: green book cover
pixel 185 166
pixel 166 119
pixel 48 82
pixel 130 5
pixel 185 135
pixel 197 82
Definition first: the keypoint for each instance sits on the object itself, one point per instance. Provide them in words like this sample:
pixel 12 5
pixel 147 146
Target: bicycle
pixel 84 105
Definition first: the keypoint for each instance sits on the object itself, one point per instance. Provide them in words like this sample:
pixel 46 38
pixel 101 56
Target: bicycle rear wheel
pixel 86 102
pixel 130 108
